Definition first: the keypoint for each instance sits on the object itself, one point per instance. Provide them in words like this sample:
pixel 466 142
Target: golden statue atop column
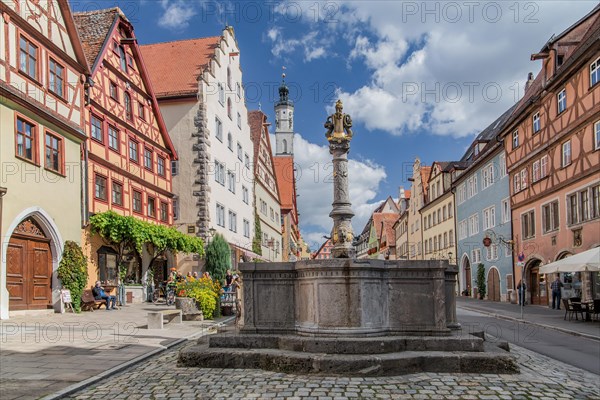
pixel 339 134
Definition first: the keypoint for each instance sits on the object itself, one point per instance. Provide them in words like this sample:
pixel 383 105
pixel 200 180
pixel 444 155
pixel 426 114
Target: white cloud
pixel 311 45
pixel 448 68
pixel 176 14
pixel 315 187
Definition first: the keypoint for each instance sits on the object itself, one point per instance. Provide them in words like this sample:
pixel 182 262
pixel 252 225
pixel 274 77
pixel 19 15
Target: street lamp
pixel 211 233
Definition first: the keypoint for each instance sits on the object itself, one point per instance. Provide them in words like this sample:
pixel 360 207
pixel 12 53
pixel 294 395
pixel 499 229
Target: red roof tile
pixel 386 221
pixel 174 67
pixel 284 171
pixel 94 27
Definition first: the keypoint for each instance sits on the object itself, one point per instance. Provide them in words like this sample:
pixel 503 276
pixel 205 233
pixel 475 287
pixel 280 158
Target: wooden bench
pixel 156 318
pixel 89 303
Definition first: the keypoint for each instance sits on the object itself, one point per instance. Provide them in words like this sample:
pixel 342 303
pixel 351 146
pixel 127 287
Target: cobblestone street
pixel 159 378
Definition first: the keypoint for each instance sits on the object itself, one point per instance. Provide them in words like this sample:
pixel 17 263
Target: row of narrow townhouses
pixel 527 190
pixel 92 121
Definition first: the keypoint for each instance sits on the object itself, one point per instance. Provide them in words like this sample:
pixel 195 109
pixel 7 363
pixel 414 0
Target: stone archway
pixel 37 219
pixel 493 284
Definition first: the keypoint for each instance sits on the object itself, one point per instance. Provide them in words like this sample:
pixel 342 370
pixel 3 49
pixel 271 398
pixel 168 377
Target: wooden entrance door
pixel 493 285
pixel 29 268
pixel 537 286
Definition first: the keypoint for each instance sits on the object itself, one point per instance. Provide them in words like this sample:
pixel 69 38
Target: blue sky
pixel 419 78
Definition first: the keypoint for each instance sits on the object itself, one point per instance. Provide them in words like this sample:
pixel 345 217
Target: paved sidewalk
pixel 541 316
pixel 540 378
pixel 44 354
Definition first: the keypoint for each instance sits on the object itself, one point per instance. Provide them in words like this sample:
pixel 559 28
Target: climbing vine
pixel 73 273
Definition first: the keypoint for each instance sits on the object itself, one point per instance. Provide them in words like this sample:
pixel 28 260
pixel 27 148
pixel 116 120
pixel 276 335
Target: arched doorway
pixel 536 282
pixel 493 285
pixel 29 267
pixel 466 267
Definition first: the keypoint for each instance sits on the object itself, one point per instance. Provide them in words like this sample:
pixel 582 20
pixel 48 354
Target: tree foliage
pixel 127 232
pixel 481 287
pixel 218 258
pixel 73 273
pixel 256 242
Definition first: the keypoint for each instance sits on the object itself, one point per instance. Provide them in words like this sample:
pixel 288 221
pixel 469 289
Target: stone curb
pixel 556 328
pixel 90 381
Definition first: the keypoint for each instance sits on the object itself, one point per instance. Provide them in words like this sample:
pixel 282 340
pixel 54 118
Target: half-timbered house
pixel 553 159
pixel 42 75
pixel 128 152
pixel 267 204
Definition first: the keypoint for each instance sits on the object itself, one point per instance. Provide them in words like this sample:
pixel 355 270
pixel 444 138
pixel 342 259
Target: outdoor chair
pixel 571 309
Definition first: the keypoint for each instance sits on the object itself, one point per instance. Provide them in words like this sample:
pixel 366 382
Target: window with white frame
pixel 566 153
pixel 528 224
pixel 584 205
pixel 492 252
pixel 450 210
pixel 240 152
pixel 263 207
pixel 451 237
pixel 595 72
pixel 444 213
pixel 573 209
pixel 245 195
pixel 246 228
pixel 230 141
pixel 220 173
pixel 462 193
pixel 488 176
pixel 536 122
pixel 174 167
pixel 239 120
pixel 505 210
pixel 238 90
pixel 247 160
pixel 550 219
pixel 503 166
pixel 516 183
pixel 536 171
pixel 218 129
pixel 562 100
pixel 515 139
pixel 489 218
pixel 597 136
pixel 523 178
pixel 220 215
pixel 472 186
pixel 473 224
pixel 544 167
pixel 231 181
pixel 476 256
pixel 232 221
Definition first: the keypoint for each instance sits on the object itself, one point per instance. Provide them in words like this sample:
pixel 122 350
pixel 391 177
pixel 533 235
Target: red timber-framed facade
pixel 128 151
pixel 42 75
pixel 553 159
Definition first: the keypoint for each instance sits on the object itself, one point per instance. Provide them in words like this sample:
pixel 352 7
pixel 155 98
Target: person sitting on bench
pixel 100 294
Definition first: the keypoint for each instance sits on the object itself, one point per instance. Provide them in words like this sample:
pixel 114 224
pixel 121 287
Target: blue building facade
pixel 482 198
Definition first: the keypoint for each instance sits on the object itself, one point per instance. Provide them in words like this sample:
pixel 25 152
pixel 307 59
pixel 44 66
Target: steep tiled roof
pixel 93 28
pixel 386 221
pixel 174 67
pixel 425 172
pixel 407 194
pixel 284 171
pixel 256 120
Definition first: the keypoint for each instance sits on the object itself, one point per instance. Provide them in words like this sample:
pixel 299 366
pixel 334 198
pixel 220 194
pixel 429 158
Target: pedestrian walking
pixel 556 292
pixel 521 288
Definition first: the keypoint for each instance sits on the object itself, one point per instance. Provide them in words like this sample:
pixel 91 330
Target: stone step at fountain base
pixel 489 359
pixel 344 345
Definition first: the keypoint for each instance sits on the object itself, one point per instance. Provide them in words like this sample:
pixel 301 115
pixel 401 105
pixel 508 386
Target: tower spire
pixel 284 119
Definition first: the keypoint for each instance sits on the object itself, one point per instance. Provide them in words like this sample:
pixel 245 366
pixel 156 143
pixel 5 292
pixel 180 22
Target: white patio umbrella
pixel 587 261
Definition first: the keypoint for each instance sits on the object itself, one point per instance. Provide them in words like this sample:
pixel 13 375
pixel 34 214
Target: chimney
pixel 529 81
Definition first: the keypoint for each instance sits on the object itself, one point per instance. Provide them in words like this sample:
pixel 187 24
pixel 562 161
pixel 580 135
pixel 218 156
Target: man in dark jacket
pixel 100 294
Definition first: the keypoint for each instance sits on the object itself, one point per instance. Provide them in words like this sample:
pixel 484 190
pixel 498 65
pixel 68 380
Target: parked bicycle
pixel 165 292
